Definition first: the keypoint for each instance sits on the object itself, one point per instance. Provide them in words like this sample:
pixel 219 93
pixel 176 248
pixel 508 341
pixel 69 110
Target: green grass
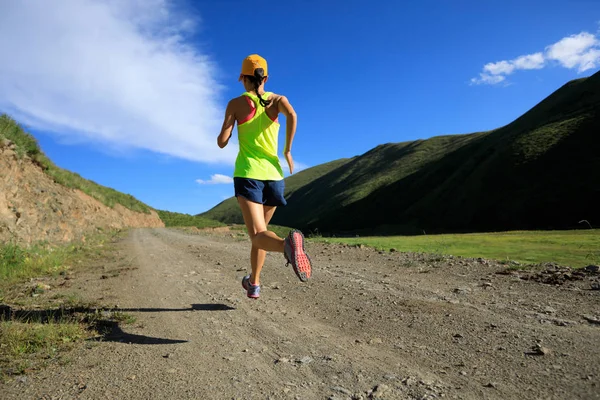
pixel 19 263
pixel 30 345
pixel 26 145
pixel 120 316
pixel 576 248
pixel 174 219
pixel 31 342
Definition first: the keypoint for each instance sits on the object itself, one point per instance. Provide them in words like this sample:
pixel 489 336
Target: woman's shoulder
pixel 275 97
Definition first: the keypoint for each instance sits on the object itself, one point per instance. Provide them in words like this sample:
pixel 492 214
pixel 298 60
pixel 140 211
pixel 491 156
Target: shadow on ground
pixel 105 321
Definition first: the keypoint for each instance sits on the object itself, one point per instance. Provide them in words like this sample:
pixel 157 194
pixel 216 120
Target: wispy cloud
pixel 216 179
pixel 117 72
pixel 581 52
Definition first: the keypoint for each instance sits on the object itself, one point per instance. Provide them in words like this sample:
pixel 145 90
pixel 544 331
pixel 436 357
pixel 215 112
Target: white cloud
pixel 580 51
pixel 502 67
pixel 487 79
pixel 216 179
pixel 531 61
pixel 115 72
pixel 576 51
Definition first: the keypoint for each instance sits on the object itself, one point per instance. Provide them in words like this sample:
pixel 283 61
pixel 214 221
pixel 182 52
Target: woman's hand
pixel 290 160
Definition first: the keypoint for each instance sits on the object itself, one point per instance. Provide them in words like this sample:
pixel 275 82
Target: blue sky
pixel 131 93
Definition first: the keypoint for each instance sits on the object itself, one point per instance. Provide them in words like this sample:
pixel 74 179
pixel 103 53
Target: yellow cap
pixel 251 63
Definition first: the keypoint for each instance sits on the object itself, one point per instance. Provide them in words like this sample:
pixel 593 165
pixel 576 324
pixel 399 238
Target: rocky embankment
pixel 35 208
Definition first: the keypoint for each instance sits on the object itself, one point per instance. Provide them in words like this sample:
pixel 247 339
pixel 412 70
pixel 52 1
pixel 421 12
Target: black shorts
pixel 268 193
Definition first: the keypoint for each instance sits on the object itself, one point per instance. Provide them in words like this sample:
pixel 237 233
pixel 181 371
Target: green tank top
pixel 257 157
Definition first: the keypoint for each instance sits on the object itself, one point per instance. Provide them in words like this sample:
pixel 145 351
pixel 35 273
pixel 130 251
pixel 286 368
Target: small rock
pixel 282 360
pixel 171 371
pixel 341 390
pixel 389 377
pixel 426 382
pixel 463 373
pixel 10 153
pixel 458 336
pixel 540 350
pixel 492 385
pixel 594 269
pixel 42 287
pixel 131 377
pixel 549 310
pixel 219 263
pixel 591 319
pixel 393 250
pixel 305 360
pixel 168 355
pixel 22 379
pixel 410 381
pixel 375 341
pixel 462 290
pixel 380 391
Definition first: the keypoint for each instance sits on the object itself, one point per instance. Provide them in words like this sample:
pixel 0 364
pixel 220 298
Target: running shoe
pixel 296 255
pixel 252 291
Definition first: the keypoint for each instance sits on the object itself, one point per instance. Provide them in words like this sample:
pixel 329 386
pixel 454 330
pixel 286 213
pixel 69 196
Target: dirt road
pixel 368 325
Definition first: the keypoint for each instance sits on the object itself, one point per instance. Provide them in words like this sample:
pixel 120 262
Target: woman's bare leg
pixel 257 217
pixel 257 255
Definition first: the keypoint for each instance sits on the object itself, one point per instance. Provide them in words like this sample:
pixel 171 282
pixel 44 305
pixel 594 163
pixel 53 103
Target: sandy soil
pixel 369 324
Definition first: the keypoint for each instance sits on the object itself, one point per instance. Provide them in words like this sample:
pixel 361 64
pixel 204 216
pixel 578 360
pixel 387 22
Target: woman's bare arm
pixel 291 121
pixel 227 127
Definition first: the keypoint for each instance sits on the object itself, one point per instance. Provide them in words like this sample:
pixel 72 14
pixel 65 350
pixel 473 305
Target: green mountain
pixel 541 171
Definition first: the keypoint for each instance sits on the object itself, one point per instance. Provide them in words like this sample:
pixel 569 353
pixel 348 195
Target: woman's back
pixel 258 132
pixel 244 107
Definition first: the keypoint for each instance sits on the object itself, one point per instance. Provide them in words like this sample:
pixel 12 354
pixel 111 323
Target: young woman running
pixel 258 176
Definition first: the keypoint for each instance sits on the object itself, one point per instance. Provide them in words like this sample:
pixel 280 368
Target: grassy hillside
pixel 229 212
pixel 27 145
pixel 539 172
pixel 177 219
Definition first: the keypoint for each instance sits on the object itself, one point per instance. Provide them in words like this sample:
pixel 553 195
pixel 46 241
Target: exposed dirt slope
pixel 369 325
pixel 33 207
